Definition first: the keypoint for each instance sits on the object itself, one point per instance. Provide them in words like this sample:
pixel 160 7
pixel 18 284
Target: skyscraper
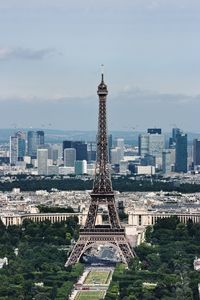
pixel 21 145
pixel 80 167
pixel 154 130
pixel 42 160
pixel 81 149
pixel 120 145
pixel 172 140
pixel 13 149
pixel 35 140
pixel 40 138
pixel 115 155
pixel 91 151
pixel 156 146
pixel 17 147
pixel 143 144
pixel 166 158
pixel 181 153
pixel 69 157
pixel 196 152
pixel 152 143
pixel 175 132
pixel 32 144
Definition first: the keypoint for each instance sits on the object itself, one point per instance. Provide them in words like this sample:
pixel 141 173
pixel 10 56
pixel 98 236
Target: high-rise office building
pixel 123 167
pixel 172 140
pixel 81 149
pixel 148 160
pixel 17 147
pixel 21 145
pixel 181 153
pixel 35 140
pixel 69 157
pixel 143 144
pixel 156 146
pixel 175 132
pixel 115 156
pixel 56 152
pixel 166 159
pixel 13 150
pixel 196 152
pixel 48 147
pixel 154 130
pixel 32 144
pixel 42 161
pixel 67 144
pixel 40 137
pixel 80 167
pixel 120 145
pixel 91 151
pixel 152 143
pixel 54 155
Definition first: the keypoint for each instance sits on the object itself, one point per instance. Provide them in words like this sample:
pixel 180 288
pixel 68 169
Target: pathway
pixel 93 283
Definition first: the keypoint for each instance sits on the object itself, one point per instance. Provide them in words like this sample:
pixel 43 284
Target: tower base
pixel 89 239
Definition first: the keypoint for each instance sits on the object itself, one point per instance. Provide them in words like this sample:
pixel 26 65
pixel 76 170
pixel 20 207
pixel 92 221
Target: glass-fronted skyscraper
pixel 81 149
pixel 42 160
pixel 21 145
pixel 17 147
pixel 181 153
pixel 13 150
pixel 196 152
pixel 35 139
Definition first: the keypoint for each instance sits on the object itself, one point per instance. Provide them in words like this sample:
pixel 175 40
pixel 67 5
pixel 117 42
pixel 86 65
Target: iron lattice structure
pixel 102 193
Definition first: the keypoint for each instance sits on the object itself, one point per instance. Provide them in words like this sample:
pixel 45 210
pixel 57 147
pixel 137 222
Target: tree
pixel 148 233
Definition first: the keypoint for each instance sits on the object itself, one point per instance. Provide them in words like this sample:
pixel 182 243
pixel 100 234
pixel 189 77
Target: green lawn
pixel 90 295
pixel 97 277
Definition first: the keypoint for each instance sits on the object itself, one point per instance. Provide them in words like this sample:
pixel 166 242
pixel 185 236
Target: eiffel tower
pixel 102 194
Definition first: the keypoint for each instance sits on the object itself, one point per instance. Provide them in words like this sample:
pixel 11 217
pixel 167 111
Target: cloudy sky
pixel 51 52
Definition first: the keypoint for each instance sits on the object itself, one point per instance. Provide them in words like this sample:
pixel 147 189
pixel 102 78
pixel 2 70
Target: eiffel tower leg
pixel 77 251
pixel 113 215
pixel 120 243
pixel 126 251
pixel 91 217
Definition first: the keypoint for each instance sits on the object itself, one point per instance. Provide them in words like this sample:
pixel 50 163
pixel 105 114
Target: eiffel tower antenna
pixel 102 69
pixel 102 193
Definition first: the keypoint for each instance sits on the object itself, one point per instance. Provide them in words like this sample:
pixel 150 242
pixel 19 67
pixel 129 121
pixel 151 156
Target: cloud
pixel 25 53
pixel 136 94
pixel 130 108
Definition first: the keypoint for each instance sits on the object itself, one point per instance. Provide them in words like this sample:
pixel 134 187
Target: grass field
pixel 90 295
pixel 97 277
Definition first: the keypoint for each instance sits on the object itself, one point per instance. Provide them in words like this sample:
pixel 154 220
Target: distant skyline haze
pixel 51 54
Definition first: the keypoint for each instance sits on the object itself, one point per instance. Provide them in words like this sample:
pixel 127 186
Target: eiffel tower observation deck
pixel 102 194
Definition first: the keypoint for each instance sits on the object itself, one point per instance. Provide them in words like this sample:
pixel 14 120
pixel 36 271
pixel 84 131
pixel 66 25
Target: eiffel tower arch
pixel 102 194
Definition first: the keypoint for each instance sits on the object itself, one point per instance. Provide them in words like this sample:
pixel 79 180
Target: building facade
pixel 13 150
pixel 42 161
pixel 166 158
pixel 35 139
pixel 69 157
pixel 196 152
pixel 80 167
pixel 81 149
pixel 181 153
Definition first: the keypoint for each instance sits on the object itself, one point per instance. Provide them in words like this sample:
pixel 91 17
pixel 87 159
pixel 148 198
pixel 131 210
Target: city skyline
pixel 51 52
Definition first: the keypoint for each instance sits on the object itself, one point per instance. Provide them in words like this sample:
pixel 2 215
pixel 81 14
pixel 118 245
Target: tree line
pixel 36 255
pixel 122 184
pixel 163 268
